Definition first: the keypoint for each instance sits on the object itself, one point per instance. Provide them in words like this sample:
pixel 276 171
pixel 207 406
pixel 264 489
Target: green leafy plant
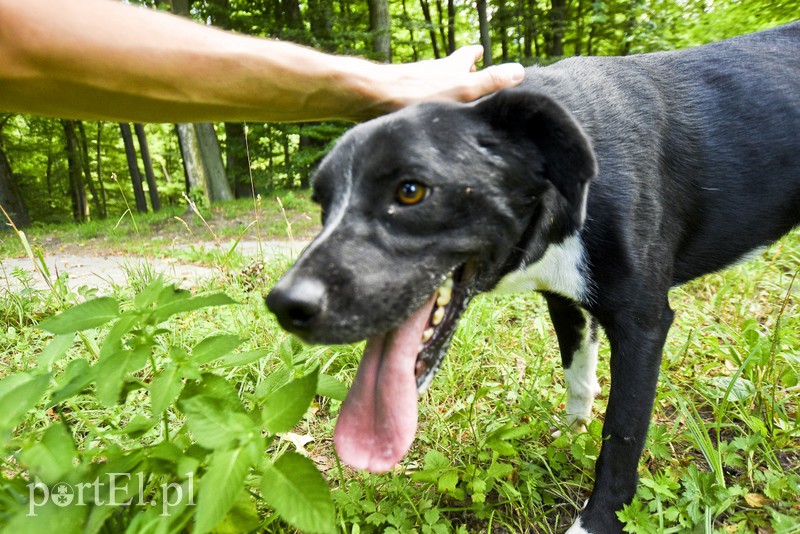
pixel 199 456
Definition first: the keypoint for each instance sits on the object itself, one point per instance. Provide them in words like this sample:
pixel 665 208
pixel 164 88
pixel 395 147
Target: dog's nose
pixel 297 305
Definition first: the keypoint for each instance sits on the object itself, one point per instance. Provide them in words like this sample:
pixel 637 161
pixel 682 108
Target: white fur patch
pixel 336 217
pixel 559 271
pixel 581 377
pixel 576 528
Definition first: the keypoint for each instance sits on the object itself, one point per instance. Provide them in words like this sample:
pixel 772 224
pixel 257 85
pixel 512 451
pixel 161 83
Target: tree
pixel 144 150
pixel 80 206
pixel 558 14
pixel 380 27
pixel 133 167
pixel 87 173
pixel 320 15
pixel 58 170
pixel 486 40
pixel 99 166
pixel 211 153
pixel 10 196
pixel 193 168
pixel 205 142
pixel 236 161
pixel 236 166
pixel 451 26
pixel 426 12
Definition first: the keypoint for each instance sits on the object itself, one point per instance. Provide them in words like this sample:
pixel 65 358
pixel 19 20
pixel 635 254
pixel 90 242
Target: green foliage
pixel 212 400
pixel 188 456
pixel 283 155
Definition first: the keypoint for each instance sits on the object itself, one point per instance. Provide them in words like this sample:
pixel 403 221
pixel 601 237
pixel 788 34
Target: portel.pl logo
pixel 111 490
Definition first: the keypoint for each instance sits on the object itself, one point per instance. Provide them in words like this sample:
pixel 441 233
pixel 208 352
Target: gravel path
pixel 104 271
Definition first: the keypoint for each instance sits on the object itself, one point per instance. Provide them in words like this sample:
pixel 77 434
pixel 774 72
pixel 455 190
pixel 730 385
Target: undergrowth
pixel 201 395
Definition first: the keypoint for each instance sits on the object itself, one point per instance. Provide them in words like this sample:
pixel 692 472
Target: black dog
pixel 602 182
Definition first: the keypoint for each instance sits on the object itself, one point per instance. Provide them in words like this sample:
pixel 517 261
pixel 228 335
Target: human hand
pixel 454 78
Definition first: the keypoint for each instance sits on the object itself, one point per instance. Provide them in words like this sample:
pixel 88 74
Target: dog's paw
pixel 575 423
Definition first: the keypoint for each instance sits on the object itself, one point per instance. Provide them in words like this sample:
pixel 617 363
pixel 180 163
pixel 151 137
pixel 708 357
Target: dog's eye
pixel 409 193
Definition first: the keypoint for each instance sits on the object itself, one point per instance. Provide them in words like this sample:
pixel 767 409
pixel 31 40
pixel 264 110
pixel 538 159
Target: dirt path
pixel 103 271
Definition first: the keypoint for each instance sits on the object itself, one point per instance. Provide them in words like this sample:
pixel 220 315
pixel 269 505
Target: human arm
pixel 104 60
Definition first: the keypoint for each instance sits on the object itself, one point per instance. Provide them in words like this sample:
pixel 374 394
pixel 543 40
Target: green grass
pixel 174 228
pixel 723 453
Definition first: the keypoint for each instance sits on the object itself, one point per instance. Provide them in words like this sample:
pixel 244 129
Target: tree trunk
pixel 180 7
pixel 501 22
pixel 236 162
pixel 528 28
pixel 200 142
pixel 319 16
pixel 451 26
pixel 98 205
pixel 293 18
pixel 144 150
pixel 486 39
pixel 579 29
pixel 80 206
pixel 218 186
pixel 10 196
pixel 426 12
pixel 193 168
pixel 558 13
pixel 103 196
pixel 287 157
pixel 380 27
pixel 441 25
pixel 133 167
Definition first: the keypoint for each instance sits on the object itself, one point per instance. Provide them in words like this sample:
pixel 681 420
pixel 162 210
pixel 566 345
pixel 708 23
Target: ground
pixel 185 247
pixel 103 268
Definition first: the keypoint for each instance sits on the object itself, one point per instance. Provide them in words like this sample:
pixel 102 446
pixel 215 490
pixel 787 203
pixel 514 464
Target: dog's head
pixel 421 210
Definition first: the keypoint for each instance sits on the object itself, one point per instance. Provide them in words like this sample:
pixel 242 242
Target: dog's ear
pixel 523 118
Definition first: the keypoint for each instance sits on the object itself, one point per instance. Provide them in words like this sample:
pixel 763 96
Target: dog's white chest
pixel 561 270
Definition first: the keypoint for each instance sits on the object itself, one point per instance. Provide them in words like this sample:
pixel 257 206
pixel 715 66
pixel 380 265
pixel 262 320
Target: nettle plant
pixel 198 458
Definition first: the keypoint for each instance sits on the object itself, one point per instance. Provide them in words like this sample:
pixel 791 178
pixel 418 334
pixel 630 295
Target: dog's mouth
pixel 450 301
pixel 378 420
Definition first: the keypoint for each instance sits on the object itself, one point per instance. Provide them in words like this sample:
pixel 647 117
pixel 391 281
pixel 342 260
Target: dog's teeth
pixel 445 293
pixel 427 335
pixel 448 283
pixel 438 315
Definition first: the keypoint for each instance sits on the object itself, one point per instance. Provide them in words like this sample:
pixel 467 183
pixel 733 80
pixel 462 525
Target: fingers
pixel 467 56
pixel 493 79
pixel 489 79
pixel 505 75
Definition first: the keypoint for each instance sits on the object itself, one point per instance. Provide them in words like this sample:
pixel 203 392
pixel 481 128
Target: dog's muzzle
pixel 298 306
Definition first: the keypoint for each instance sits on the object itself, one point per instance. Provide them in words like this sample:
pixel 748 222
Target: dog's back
pixel 724 120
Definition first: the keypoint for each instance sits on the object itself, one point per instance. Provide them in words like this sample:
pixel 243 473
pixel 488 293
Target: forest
pixel 55 170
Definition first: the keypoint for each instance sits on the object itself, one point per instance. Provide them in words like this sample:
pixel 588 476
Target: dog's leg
pixel 637 340
pixel 576 331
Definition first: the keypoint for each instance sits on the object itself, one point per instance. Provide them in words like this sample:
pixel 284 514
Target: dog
pixel 600 182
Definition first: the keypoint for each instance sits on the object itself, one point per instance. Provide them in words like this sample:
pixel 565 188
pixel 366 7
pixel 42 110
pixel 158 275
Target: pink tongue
pixel 378 420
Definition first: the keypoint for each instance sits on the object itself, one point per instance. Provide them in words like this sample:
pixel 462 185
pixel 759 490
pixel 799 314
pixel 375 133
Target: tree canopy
pixel 56 170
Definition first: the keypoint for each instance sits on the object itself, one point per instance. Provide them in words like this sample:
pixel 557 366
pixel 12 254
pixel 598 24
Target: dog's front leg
pixel 576 331
pixel 637 341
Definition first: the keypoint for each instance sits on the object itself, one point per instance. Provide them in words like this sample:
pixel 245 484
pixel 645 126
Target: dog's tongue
pixel 378 420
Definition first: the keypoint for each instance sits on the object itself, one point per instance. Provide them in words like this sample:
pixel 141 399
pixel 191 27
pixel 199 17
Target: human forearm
pixel 127 63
